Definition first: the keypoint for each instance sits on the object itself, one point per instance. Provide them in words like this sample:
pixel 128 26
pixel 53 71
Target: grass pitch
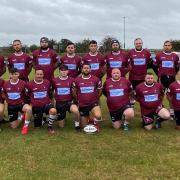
pixel 108 155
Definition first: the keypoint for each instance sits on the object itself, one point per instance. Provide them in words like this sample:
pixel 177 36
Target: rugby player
pixel 173 94
pixel 96 60
pixel 45 59
pixel 62 86
pixel 72 60
pixel 118 91
pixel 20 61
pixel 38 90
pixel 117 58
pixel 167 64
pixel 150 94
pixel 2 65
pixel 14 91
pixel 87 90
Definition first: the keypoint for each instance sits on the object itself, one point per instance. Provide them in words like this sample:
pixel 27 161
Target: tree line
pixel 81 46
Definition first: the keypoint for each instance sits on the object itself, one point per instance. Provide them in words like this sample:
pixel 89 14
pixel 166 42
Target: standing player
pixel 173 94
pixel 1 101
pixel 64 99
pixel 72 60
pixel 87 89
pixel 118 91
pixel 117 58
pixel 20 61
pixel 14 91
pixel 96 60
pixel 139 60
pixel 2 65
pixel 45 59
pixel 150 95
pixel 167 64
pixel 38 90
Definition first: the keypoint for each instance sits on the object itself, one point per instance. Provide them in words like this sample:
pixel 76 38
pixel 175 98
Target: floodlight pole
pixel 124 32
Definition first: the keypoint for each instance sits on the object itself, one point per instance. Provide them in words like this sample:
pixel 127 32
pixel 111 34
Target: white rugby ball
pixel 90 128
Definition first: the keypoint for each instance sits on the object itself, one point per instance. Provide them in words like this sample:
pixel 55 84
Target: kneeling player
pixel 63 96
pixel 14 91
pixel 38 90
pixel 150 95
pixel 174 97
pixel 87 89
pixel 118 91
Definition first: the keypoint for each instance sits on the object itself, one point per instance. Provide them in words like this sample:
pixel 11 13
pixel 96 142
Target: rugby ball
pixel 90 129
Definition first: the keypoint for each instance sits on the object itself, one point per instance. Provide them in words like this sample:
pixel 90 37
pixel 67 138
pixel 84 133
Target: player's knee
pixel 164 114
pixel 148 127
pixel 116 124
pixel 129 113
pixel 52 111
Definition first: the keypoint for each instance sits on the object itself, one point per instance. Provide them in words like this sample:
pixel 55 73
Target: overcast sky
pixel 154 21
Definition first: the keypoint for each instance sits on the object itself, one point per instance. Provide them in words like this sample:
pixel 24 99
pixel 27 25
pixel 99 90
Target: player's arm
pixel 3 65
pixel 55 60
pixel 99 89
pixel 155 63
pixel 30 65
pixel 74 91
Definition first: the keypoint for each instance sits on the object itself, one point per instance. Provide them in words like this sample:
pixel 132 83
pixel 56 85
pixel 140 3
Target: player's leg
pixel 13 116
pixel 128 116
pixel 52 115
pixel 84 116
pixel 76 115
pixel 61 114
pixel 116 118
pixel 96 112
pixel 148 121
pixel 163 115
pixel 38 115
pixel 27 110
pixel 177 118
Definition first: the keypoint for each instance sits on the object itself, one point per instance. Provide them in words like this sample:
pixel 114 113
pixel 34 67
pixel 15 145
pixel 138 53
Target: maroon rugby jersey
pixel 1 88
pixel 73 64
pixel 117 93
pixel 149 97
pixel 118 60
pixel 174 92
pixel 139 61
pixel 22 62
pixel 45 60
pixel 2 64
pixel 39 92
pixel 63 89
pixel 96 62
pixel 167 63
pixel 87 90
pixel 14 92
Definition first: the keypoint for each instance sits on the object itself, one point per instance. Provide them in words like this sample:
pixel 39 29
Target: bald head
pixel 116 74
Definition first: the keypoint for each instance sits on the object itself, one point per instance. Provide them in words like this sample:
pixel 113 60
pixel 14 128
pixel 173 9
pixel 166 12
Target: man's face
pixel 39 75
pixel 167 47
pixel 63 73
pixel 116 74
pixel 86 69
pixel 14 76
pixel 138 44
pixel 115 47
pixel 93 48
pixel 17 46
pixel 70 49
pixel 149 79
pixel 44 44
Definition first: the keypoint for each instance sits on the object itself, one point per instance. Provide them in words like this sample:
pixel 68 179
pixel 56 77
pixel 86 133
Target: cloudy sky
pixel 154 21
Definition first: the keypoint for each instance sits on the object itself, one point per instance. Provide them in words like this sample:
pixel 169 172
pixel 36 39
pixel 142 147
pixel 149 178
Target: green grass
pixel 110 154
